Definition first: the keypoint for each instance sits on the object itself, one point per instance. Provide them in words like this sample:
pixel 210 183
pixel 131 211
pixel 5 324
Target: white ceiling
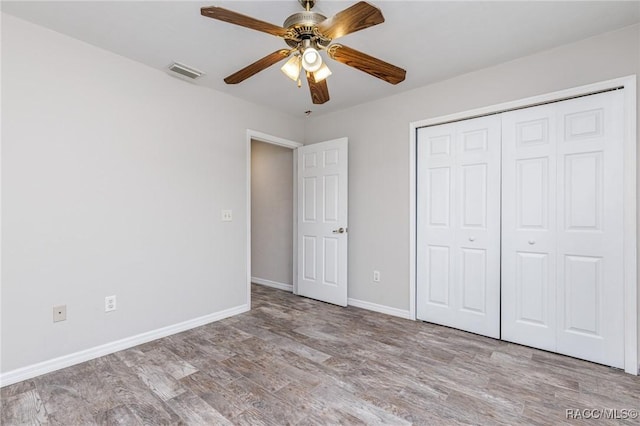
pixel 431 40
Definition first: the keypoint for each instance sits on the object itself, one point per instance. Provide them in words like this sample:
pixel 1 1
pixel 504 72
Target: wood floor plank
pixel 18 388
pixel 120 415
pixel 292 360
pixel 128 389
pixel 23 408
pixel 75 393
pixel 193 410
pixel 270 380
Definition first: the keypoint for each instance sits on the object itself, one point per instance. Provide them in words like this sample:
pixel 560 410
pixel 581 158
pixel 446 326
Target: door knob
pixel 339 231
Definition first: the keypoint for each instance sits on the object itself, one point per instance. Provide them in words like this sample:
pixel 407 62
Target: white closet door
pixel 459 225
pixel 590 231
pixel 562 283
pixel 529 227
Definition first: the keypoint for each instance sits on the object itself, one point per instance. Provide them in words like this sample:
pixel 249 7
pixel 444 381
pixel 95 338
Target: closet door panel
pixel 436 224
pixel 528 227
pixel 590 281
pixel 458 243
pixel 478 232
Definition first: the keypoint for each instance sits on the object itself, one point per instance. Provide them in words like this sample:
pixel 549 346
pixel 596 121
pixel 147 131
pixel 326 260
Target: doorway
pixel 271 219
pixel 271 215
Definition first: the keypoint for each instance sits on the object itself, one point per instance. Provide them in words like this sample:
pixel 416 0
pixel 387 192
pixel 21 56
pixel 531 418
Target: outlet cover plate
pixel 227 215
pixel 110 303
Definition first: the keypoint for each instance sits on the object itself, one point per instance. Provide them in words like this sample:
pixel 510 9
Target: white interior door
pixel 322 221
pixel 562 226
pixel 458 225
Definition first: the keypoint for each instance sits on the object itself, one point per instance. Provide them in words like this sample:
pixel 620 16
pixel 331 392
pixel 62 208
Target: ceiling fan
pixel 307 33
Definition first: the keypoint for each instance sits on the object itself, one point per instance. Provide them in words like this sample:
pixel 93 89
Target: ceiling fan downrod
pixel 307 4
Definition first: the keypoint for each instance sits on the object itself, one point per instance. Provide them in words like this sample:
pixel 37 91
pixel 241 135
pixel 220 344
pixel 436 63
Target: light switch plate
pixel 227 215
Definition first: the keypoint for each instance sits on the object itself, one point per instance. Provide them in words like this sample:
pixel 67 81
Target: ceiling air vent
pixel 185 71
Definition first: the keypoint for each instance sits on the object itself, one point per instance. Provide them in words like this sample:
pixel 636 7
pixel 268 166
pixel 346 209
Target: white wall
pixel 113 178
pixel 379 145
pixel 272 213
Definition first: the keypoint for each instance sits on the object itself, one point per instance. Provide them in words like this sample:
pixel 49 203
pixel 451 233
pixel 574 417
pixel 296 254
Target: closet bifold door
pixel 562 227
pixel 590 235
pixel 458 225
pixel 529 227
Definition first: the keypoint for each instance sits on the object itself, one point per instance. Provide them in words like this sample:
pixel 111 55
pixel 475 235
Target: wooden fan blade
pixel 373 66
pixel 319 91
pixel 242 20
pixel 355 18
pixel 257 66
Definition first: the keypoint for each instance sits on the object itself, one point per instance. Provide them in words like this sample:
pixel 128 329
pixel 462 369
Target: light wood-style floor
pixel 297 361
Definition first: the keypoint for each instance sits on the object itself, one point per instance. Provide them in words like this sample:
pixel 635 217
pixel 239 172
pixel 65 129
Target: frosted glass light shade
pixel 292 67
pixel 311 59
pixel 322 73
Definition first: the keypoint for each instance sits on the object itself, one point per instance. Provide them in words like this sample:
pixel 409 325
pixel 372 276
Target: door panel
pixel 458 225
pixel 439 197
pixel 309 257
pixel 331 192
pixel 309 199
pixel 590 281
pixel 330 260
pixel 477 237
pixel 322 212
pixel 474 280
pixel 532 288
pixel 474 196
pixel 583 288
pixel 528 227
pixel 439 264
pixel 532 184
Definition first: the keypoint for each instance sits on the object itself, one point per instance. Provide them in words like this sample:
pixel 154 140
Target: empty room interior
pixel 319 212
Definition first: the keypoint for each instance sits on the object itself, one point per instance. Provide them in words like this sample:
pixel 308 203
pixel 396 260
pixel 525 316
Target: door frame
pixel 631 331
pixel 292 145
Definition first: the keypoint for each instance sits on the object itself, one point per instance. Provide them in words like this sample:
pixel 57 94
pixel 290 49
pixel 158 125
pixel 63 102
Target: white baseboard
pixel 31 371
pixel 379 308
pixel 274 284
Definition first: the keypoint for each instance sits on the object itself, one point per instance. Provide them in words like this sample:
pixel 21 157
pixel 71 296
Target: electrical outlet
pixel 227 215
pixel 376 276
pixel 110 303
pixel 59 313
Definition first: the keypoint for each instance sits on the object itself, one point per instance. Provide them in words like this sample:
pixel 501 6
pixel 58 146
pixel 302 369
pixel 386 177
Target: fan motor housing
pixel 302 24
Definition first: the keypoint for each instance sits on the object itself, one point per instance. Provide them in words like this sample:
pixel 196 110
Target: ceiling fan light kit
pixel 311 60
pixel 307 33
pixel 322 73
pixel 292 67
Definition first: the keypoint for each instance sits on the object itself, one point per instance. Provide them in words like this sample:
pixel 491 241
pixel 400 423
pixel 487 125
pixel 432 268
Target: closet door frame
pixel 631 331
